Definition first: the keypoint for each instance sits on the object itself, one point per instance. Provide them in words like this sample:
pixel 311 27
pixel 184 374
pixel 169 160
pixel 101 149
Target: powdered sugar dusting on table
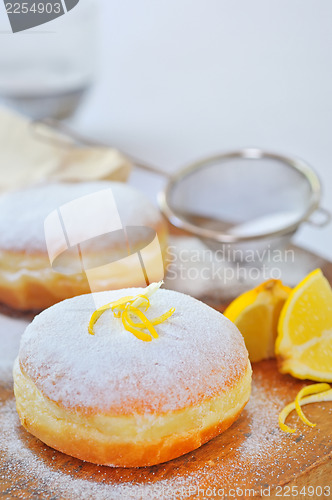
pixel 33 469
pixel 22 213
pixel 198 354
pixel 11 331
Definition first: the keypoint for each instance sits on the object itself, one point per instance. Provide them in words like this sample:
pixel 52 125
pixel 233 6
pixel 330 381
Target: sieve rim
pixel 246 153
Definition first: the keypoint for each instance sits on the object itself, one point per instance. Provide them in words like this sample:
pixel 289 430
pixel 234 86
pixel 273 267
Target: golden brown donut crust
pixel 27 280
pixel 79 439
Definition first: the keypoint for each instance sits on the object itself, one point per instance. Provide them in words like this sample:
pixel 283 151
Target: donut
pixel 111 260
pixel 112 399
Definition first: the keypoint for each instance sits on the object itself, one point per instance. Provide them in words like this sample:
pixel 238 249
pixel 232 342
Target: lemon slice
pixel 256 315
pixel 304 342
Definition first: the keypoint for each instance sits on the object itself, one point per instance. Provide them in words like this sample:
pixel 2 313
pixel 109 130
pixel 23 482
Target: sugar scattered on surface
pixel 30 469
pixel 262 455
pixel 22 213
pixel 113 370
pixel 11 330
pixel 21 460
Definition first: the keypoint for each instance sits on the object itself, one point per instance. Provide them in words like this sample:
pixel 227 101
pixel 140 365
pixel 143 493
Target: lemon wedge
pixel 256 315
pixel 304 341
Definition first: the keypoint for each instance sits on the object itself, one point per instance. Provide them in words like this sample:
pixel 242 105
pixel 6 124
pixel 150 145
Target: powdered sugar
pixel 198 353
pixel 253 453
pixel 22 213
pixel 22 460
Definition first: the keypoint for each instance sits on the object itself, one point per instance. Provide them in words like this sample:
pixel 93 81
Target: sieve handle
pixel 324 218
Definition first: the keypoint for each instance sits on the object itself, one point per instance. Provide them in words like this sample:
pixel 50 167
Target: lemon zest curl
pixel 313 393
pixel 133 318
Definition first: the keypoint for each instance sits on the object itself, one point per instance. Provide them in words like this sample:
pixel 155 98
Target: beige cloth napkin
pixel 31 153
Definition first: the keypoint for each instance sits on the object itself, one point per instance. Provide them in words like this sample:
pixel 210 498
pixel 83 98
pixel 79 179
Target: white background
pixel 181 79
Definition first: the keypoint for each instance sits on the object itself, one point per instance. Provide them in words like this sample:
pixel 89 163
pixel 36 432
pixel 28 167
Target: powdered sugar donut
pixel 112 399
pixel 27 279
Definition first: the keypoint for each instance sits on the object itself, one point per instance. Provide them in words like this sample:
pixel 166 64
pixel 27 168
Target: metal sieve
pixel 249 195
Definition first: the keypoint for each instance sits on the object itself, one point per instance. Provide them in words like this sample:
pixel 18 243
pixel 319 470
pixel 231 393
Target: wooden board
pixel 251 459
pixel 252 455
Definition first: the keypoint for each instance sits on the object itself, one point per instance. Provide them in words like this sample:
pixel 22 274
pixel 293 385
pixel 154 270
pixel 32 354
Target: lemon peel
pixel 147 323
pixel 96 315
pixel 318 393
pixel 155 321
pixel 310 389
pixel 127 308
pixel 138 333
pixel 283 415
